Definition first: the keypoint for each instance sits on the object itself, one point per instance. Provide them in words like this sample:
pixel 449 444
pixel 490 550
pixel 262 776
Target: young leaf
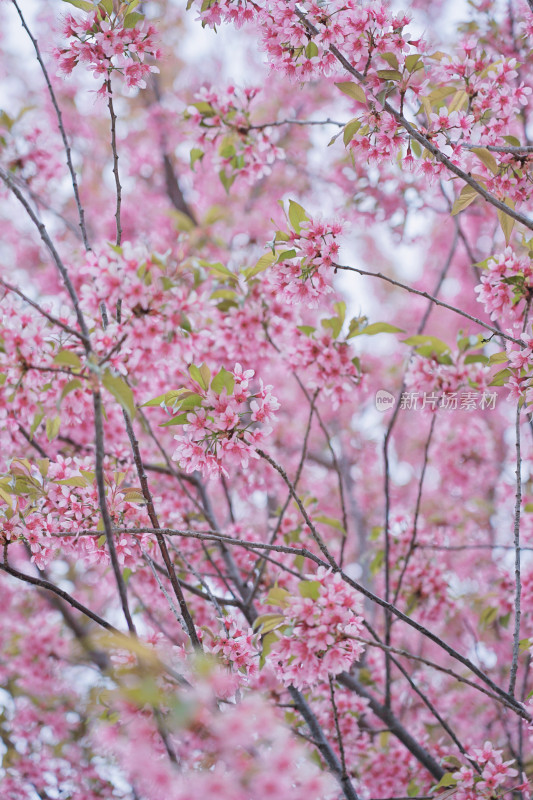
pixel 467 195
pixel 120 391
pixel 350 129
pixel 297 215
pixel 131 20
pixel 83 4
pixel 436 346
pixel 376 327
pixel 309 589
pixel 487 158
pixel 71 386
pixel 180 419
pixel 506 222
pixel 264 262
pixel 223 380
pixel 67 358
pixel 196 155
pixel 500 378
pixel 53 424
pixel 201 375
pixel 353 90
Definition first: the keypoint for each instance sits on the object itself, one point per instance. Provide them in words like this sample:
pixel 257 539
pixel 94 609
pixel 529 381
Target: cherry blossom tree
pixel 266 378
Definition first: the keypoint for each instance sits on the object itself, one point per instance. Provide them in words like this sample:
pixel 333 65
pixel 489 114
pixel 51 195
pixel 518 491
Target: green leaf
pixel 219 270
pixel 488 616
pixel 180 419
pixel 6 497
pixel 227 148
pixel 83 4
pixel 458 101
pixel 226 180
pixel 376 327
pixel 71 386
pixel 43 464
pixel 277 597
pixel 391 60
pixel 196 155
pixel 446 780
pixel 77 481
pixel 331 521
pixel 120 391
pixel 67 358
pixel 437 346
pixel 311 51
pixel 389 74
pixel 309 589
pixel 350 129
pixel 131 20
pixel 506 222
pixel 335 323
pixel 306 329
pixel 53 425
pixel 108 5
pixel 412 62
pixel 476 358
pixel 205 109
pixel 500 378
pixel 286 255
pixel 191 401
pixel 132 495
pixel 498 358
pixel 487 158
pixel 36 422
pixel 353 90
pixel 467 196
pixel 223 380
pixel 268 622
pixel 297 215
pixel 268 641
pixel 202 375
pixel 264 262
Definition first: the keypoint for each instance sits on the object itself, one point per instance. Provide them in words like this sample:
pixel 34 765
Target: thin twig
pixel 412 542
pixel 428 296
pixel 518 581
pixel 8 181
pixel 40 310
pixel 185 613
pixel 61 127
pixel 104 511
pixel 118 186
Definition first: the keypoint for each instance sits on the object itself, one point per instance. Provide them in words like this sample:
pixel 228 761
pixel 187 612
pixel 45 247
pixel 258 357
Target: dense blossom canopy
pixel 266 380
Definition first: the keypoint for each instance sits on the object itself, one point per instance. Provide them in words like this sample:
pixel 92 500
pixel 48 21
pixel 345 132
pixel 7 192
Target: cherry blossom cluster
pixel 298 36
pixel 232 751
pixel 520 383
pixel 224 132
pixel 41 502
pixel 445 373
pixel 490 84
pixel 317 631
pixel 496 774
pixel 306 256
pixel 109 42
pixel 505 283
pixel 225 424
pixel 237 648
pixel 328 364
